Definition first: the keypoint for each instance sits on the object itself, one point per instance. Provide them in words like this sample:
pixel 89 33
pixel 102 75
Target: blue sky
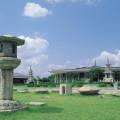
pixel 63 33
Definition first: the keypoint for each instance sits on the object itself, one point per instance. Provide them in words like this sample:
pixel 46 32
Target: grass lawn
pixel 74 107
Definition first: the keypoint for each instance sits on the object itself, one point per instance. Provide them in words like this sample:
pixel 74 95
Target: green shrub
pixel 102 85
pixel 78 84
pixel 105 84
pixel 51 85
pixel 30 85
pixel 46 84
pixel 119 83
pixel 37 85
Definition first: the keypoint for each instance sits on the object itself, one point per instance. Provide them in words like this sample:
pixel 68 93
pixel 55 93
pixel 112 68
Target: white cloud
pixel 33 53
pixel 68 62
pixel 36 44
pixel 54 66
pixel 36 60
pixel 113 57
pixel 87 2
pixel 91 2
pixel 54 1
pixel 35 10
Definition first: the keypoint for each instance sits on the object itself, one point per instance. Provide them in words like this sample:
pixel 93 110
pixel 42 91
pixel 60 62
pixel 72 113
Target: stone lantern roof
pixel 13 39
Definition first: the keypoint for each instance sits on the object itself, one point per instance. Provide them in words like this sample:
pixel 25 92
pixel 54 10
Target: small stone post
pixel 116 85
pixel 65 89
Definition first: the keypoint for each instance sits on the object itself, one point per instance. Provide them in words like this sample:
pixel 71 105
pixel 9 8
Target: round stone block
pixel 89 90
pixel 9 62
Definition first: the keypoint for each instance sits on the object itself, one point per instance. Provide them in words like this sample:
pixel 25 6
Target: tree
pixel 96 74
pixel 51 78
pixel 72 76
pixel 116 75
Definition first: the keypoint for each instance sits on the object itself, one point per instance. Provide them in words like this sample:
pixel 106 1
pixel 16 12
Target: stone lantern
pixel 8 62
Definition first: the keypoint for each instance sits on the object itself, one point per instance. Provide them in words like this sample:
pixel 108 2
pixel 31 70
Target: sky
pixel 63 33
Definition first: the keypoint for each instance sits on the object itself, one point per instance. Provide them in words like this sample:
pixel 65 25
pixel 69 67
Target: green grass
pixel 74 107
pixel 20 86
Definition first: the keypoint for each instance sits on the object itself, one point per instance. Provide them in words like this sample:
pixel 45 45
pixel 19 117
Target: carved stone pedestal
pixel 9 105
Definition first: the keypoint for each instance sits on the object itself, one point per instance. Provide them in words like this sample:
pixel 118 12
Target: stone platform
pixel 9 105
pixel 36 103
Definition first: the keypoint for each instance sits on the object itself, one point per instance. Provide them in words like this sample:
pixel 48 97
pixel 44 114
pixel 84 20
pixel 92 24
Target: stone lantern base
pixel 9 105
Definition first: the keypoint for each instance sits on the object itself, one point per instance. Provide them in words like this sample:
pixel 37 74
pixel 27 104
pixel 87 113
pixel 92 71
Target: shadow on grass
pixel 32 109
pixel 5 115
pixel 44 109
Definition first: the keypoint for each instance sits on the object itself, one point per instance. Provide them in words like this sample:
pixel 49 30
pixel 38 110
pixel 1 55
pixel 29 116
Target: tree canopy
pixel 116 75
pixel 96 74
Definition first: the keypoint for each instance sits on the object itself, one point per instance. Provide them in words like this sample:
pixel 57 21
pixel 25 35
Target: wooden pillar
pixel 66 78
pixel 78 76
pixel 85 75
pixel 72 79
pixel 54 78
pixel 60 78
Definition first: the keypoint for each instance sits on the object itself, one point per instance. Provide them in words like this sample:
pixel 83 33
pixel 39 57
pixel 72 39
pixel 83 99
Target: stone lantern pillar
pixel 8 62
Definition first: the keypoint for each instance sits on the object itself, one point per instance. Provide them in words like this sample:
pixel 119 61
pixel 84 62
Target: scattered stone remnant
pixel 88 90
pixel 116 94
pixel 8 61
pixel 25 90
pixel 65 89
pixel 42 91
pixel 108 91
pixel 54 90
pixel 102 96
pixel 36 103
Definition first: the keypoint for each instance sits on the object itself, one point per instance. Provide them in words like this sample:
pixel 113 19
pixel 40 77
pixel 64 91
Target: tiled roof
pixel 19 75
pixel 82 69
